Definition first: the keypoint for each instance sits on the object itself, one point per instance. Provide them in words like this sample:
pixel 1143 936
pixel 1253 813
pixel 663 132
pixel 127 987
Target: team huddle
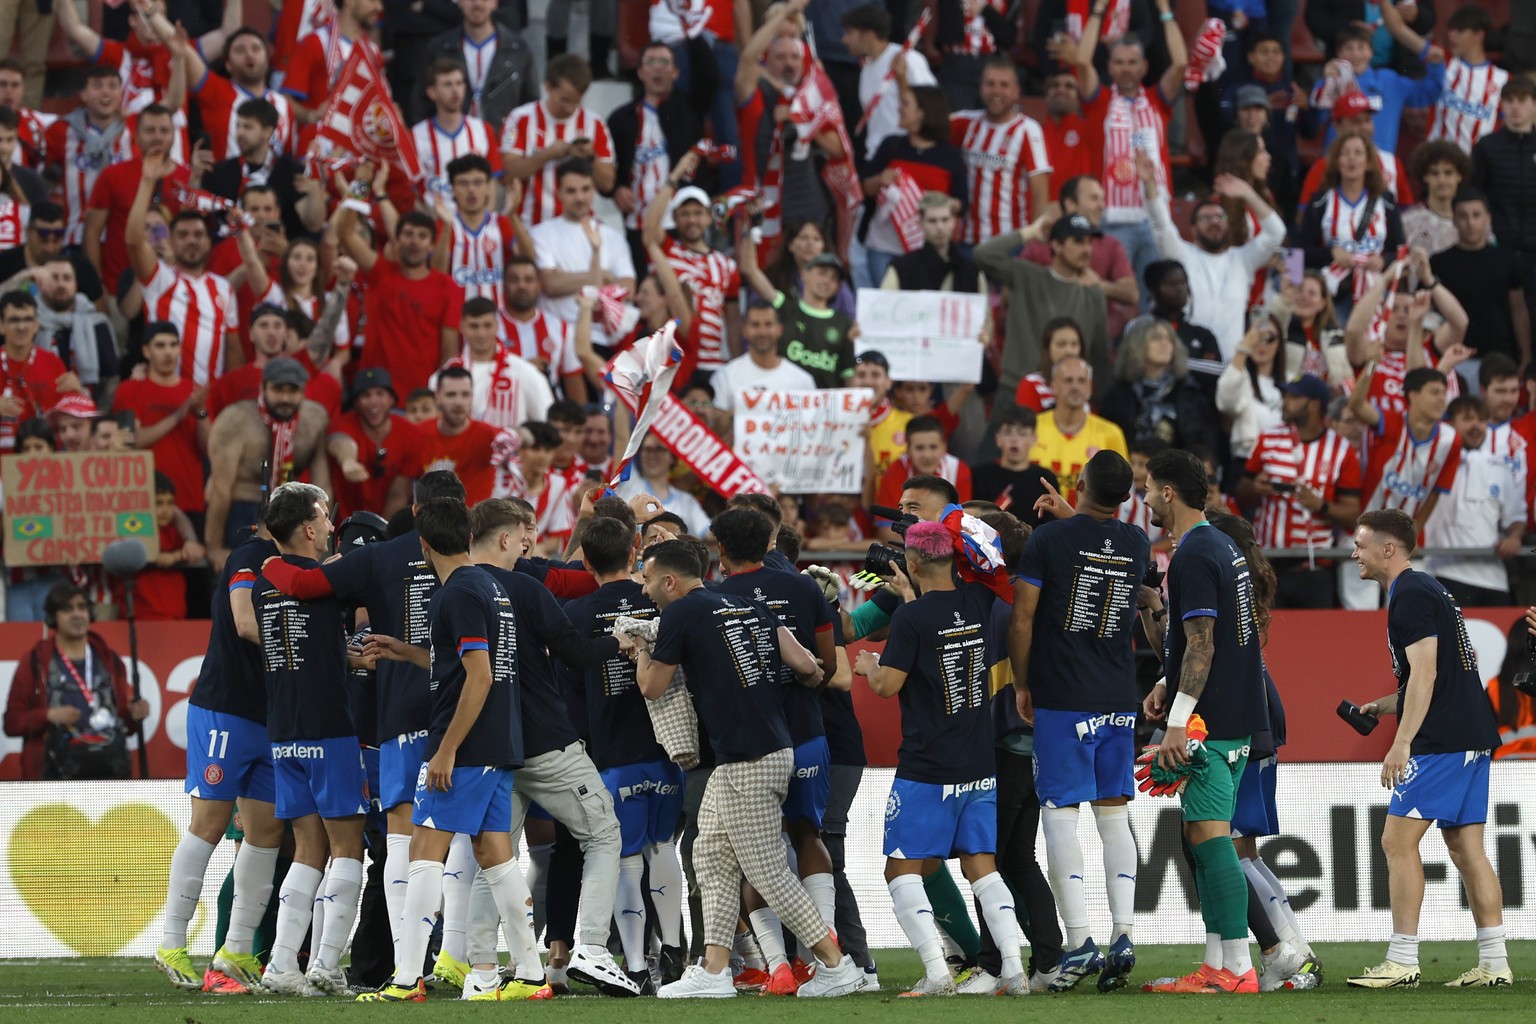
pixel 667 723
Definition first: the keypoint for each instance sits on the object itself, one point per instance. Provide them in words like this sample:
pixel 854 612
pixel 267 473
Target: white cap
pixel 686 194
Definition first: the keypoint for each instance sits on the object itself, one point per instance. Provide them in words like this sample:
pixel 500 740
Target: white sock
pixel 746 947
pixel 1275 887
pixel 1213 956
pixel 538 880
pixel 914 913
pixel 458 875
pixel 423 895
pixel 1234 956
pixel 823 892
pixel 1064 860
pixel 770 937
pixel 996 901
pixel 317 917
pixel 343 886
pixel 254 867
pixel 629 910
pixel 1120 864
pixel 188 866
pixel 667 893
pixel 483 926
pixel 397 870
pixel 296 910
pixel 514 902
pixel 1273 907
pixel 1403 949
pixel 1490 948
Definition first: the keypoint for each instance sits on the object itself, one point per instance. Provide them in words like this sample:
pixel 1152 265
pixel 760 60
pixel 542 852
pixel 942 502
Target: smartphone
pixel 1295 265
pixel 275 226
pixel 1284 488
pixel 581 141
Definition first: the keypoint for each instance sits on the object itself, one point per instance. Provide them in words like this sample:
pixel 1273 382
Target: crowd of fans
pixel 1331 306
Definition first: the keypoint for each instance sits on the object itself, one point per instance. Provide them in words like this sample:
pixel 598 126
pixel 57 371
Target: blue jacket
pixel 1392 93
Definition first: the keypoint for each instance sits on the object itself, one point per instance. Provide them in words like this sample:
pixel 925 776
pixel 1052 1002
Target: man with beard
pixel 247 61
pixel 185 293
pixel 477 451
pixel 1066 141
pixel 1217 270
pixel 713 276
pixel 375 452
pixel 762 368
pixel 575 251
pixel 280 434
pixel 508 390
pixel 270 339
pixel 310 67
pixel 1005 157
pixel 543 340
pixel 44 243
pixel 413 310
pixel 74 329
pixel 255 159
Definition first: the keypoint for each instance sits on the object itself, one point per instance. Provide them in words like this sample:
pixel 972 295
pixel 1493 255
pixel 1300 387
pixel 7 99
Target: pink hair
pixel 931 541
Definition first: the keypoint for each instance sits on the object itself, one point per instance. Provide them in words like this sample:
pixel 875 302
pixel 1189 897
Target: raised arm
pixel 1172 82
pixel 1357 330
pixel 747 69
pixel 141 255
pixel 671 288
pixel 751 271
pixel 1360 396
pixel 85 38
pixel 1087 74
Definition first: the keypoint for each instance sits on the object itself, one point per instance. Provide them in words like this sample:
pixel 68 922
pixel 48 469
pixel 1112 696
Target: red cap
pixel 1351 104
pixel 76 405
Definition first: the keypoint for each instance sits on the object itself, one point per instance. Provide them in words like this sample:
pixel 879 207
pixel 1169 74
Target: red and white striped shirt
pixel 552 511
pixel 1326 464
pixel 1344 226
pixel 714 278
pixel 31 131
pixel 13 223
pixel 543 339
pixel 1000 159
pixel 1386 392
pixel 1402 471
pixel 477 258
pixel 652 163
pixel 81 167
pixel 437 149
pixel 1469 107
pixel 530 128
pixel 978 39
pixel 508 392
pixel 1503 440
pixel 219 101
pixel 203 307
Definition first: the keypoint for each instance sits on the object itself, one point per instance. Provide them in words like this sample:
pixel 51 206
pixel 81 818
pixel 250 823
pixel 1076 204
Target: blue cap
pixel 1308 385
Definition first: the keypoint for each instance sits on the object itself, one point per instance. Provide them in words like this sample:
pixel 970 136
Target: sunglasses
pixel 379 455
pixel 51 234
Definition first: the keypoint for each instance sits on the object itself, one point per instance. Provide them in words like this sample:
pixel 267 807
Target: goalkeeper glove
pixel 1155 780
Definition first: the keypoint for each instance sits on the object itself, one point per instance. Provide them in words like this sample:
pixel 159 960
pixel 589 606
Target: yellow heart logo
pixel 58 866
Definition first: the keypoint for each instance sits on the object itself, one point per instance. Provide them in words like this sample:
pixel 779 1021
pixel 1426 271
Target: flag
pixel 1206 64
pixel 901 201
pixel 642 375
pixel 814 109
pixel 616 315
pixel 1377 330
pixel 729 202
pixel 362 118
pixel 203 202
pixel 978 552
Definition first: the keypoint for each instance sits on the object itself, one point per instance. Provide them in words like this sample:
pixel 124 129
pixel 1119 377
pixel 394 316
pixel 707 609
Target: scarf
pixel 282 443
pixel 1154 398
pixel 94 143
pixel 80 324
pixel 1130 124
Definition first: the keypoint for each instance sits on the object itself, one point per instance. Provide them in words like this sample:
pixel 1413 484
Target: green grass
pixel 117 990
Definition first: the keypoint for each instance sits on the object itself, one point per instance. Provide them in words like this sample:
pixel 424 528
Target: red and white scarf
pixel 282 443
pixel 1117 20
pixel 1132 123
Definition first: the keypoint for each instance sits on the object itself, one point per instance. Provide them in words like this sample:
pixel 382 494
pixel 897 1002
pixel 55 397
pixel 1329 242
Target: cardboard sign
pixel 805 441
pixel 63 509
pixel 933 336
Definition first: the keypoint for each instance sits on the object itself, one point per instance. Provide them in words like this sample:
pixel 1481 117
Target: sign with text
pixel 805 441
pixel 932 336
pixel 64 508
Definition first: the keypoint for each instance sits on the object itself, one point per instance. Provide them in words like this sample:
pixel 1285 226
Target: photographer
pixel 923 499
pixel 70 702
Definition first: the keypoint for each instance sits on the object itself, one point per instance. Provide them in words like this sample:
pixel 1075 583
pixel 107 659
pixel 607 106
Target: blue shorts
pixel 1451 789
pixel 479 800
pixel 925 819
pixel 399 764
pixel 1081 756
pixel 1256 813
pixel 324 777
pixel 810 783
pixel 228 757
pixel 648 799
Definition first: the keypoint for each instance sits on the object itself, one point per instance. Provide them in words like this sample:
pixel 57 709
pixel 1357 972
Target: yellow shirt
pixel 888 438
pixel 1066 454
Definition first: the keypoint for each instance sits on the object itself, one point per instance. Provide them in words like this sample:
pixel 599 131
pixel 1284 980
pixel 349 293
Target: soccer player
pixel 744 535
pixel 317 760
pixel 229 758
pixel 473 744
pixel 1437 767
pixel 730 652
pixel 1215 642
pixel 1081 577
pixel 943 802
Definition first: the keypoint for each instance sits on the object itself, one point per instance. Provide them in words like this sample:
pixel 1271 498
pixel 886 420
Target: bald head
pixel 1072 381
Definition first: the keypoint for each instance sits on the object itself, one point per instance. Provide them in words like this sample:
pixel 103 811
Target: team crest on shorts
pixel 213 774
pixel 892 805
pixel 1410 770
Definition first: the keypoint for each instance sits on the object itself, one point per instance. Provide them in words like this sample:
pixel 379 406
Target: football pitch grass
pixel 118 990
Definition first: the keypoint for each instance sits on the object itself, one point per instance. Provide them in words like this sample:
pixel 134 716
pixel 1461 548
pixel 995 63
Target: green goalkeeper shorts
pixel 1212 795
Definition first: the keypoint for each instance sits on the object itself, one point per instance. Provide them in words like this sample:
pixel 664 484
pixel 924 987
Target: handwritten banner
pixel 63 509
pixel 933 336
pixel 805 441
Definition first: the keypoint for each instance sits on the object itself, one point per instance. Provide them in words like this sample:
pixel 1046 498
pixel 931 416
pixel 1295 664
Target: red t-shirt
pixel 161 594
pixel 176 454
pixel 244 385
pixel 405 321
pixel 398 456
pixel 468 454
pixel 1066 143
pixel 33 384
pixel 114 191
pixel 888 493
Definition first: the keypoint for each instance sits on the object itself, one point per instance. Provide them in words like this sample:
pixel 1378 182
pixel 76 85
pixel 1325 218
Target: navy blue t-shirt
pixel 798 603
pixel 391 579
pixel 1209 577
pixel 621 726
pixel 231 680
pixel 304 658
pixel 728 649
pixel 1459 717
pixel 941 642
pixel 1088 573
pixel 363 692
pixel 471 613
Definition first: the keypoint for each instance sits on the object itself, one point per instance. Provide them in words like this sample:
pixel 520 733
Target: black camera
pixel 881 557
pixel 1525 682
pixel 1153 578
pixel 899 520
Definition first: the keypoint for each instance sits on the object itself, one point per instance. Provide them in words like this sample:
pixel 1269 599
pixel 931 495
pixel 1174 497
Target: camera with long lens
pixel 881 557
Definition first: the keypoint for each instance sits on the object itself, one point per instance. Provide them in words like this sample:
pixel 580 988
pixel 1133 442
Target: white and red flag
pixel 361 117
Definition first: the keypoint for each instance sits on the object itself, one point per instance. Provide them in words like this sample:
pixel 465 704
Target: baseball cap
pixel 283 370
pixel 1075 226
pixel 826 259
pixel 1351 104
pixel 874 356
pixel 74 404
pixel 686 194
pixel 1308 385
pixel 267 309
pixel 1252 96
pixel 374 377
